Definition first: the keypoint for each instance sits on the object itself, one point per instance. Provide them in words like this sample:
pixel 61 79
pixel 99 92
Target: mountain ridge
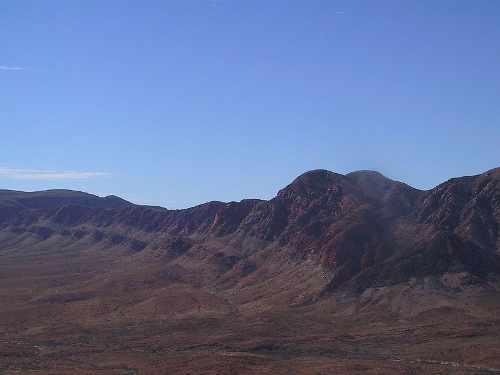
pixel 357 217
pixel 326 270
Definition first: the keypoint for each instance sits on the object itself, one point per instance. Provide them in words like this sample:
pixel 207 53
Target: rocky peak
pixel 313 184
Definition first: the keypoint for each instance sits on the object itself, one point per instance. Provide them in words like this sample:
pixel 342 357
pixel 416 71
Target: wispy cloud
pixel 12 68
pixel 339 12
pixel 37 174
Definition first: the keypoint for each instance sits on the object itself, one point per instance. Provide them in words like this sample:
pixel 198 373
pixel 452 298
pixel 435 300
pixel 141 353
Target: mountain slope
pixel 349 224
pixel 320 272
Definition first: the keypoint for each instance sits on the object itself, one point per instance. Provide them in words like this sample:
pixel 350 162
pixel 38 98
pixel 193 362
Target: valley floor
pixel 79 311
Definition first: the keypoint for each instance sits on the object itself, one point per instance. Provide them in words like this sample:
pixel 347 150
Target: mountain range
pixel 337 274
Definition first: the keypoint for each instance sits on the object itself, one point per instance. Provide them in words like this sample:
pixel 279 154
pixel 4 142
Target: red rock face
pixel 352 225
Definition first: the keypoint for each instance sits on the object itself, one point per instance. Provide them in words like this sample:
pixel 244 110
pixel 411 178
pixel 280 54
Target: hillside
pixel 351 273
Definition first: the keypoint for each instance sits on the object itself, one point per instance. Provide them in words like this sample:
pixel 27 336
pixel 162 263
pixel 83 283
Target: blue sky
pixel 174 103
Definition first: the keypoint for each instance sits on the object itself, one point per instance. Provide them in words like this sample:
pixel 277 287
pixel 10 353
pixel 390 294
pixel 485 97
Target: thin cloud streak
pixel 11 68
pixel 37 174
